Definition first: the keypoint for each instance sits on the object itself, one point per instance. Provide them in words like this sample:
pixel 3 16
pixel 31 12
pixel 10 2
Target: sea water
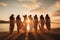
pixel 5 26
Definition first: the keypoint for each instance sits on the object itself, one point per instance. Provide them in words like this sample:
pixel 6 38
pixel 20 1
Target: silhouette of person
pixel 42 22
pixel 35 22
pixel 18 22
pixel 31 22
pixel 12 23
pixel 25 22
pixel 47 20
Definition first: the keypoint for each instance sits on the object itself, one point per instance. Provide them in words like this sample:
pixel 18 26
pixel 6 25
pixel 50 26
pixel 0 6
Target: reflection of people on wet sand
pixel 18 22
pixel 47 20
pixel 35 22
pixel 42 22
pixel 12 23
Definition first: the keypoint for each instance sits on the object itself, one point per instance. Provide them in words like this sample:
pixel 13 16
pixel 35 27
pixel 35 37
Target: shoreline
pixel 54 33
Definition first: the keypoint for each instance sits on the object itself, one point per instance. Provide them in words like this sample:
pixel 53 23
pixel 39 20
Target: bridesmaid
pixel 47 20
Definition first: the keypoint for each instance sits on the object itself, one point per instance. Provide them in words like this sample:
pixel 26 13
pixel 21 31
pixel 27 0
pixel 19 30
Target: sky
pixel 22 7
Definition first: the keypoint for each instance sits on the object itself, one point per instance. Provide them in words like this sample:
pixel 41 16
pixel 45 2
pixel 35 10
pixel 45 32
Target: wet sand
pixel 53 34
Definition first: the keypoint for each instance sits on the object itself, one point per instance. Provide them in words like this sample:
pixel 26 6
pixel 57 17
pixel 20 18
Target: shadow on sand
pixel 52 35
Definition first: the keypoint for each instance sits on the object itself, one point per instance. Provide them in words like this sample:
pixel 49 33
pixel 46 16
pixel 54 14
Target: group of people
pixel 33 22
pixel 45 21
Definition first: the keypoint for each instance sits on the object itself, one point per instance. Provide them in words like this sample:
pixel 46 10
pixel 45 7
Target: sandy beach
pixel 53 34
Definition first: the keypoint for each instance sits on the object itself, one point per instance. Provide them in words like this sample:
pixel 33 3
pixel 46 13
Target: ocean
pixel 5 26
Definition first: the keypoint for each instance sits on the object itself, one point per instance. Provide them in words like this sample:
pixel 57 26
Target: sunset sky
pixel 22 7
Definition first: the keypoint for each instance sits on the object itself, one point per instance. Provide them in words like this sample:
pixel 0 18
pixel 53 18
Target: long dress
pixel 18 25
pixel 31 23
pixel 48 24
pixel 42 24
pixel 12 23
pixel 35 24
pixel 25 24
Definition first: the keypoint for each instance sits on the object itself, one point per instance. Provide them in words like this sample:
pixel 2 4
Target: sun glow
pixel 28 28
pixel 38 27
pixel 28 21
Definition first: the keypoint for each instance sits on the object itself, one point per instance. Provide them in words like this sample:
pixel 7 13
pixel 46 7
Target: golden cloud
pixel 54 7
pixel 56 13
pixel 34 1
pixel 18 5
pixel 21 0
pixel 57 4
pixel 31 5
pixel 3 4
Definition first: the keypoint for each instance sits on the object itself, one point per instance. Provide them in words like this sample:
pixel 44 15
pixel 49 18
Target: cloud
pixel 48 9
pixel 34 1
pixel 45 6
pixel 57 4
pixel 31 5
pixel 3 4
pixel 47 3
pixel 56 13
pixel 18 5
pixel 21 0
pixel 38 10
pixel 53 8
pixel 28 6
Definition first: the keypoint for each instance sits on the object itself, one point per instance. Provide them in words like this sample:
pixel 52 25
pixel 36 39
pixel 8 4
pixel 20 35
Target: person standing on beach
pixel 47 20
pixel 12 23
pixel 35 22
pixel 31 22
pixel 18 22
pixel 25 22
pixel 42 22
